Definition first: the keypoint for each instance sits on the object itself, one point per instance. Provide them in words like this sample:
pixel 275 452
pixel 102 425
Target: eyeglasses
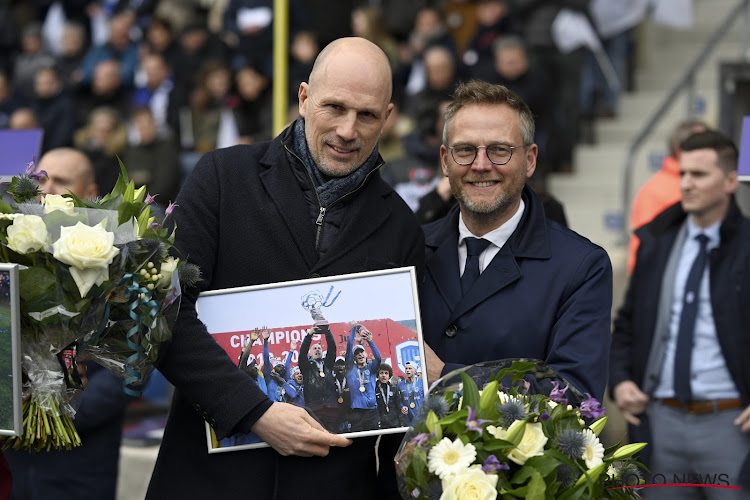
pixel 499 154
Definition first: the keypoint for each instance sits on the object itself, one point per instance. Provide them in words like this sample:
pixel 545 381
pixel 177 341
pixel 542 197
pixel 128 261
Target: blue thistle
pixel 438 404
pixel 570 443
pixel 564 476
pixel 511 411
pixel 190 274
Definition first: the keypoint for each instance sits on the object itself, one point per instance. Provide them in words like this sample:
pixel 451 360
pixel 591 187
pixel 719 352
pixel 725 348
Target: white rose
pixel 472 484
pixel 28 233
pixel 52 202
pixel 89 251
pixel 531 445
pixel 166 270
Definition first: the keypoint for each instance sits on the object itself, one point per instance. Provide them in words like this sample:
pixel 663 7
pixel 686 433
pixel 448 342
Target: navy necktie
pixel 474 247
pixel 686 333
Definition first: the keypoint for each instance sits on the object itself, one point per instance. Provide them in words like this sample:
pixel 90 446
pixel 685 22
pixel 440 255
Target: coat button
pixel 451 331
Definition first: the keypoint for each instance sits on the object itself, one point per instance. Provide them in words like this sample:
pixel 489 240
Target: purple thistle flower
pixel 492 465
pixel 544 415
pixel 472 424
pixel 154 225
pixel 170 209
pixel 150 199
pixel 591 408
pixel 558 395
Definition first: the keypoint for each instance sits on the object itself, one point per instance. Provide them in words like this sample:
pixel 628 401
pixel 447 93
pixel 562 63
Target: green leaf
pixel 5 208
pixel 489 396
pixel 515 432
pixel 143 220
pixel 498 445
pixel 591 474
pixel 537 487
pixel 36 282
pixel 454 417
pixel 471 393
pixel 419 464
pixel 127 211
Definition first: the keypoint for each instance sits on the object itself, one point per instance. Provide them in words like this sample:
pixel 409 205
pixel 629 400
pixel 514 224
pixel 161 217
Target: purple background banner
pixel 743 168
pixel 17 147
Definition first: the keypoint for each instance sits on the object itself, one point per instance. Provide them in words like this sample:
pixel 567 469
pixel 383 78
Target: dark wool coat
pixel 546 295
pixel 243 218
pixel 730 297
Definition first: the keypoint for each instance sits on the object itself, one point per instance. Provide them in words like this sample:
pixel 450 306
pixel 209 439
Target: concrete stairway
pixel 592 195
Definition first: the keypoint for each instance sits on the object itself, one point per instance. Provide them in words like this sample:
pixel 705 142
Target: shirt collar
pixel 712 232
pixel 497 236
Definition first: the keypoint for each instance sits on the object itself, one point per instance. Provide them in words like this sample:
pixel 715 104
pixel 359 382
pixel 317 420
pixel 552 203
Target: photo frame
pixel 372 319
pixel 11 404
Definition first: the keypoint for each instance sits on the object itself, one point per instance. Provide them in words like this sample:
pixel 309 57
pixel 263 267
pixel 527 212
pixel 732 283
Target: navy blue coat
pixel 546 295
pixel 243 217
pixel 730 296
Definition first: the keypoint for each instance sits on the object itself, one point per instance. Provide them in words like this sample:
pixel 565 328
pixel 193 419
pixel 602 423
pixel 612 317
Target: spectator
pixel 32 58
pixel 367 22
pixel 69 60
pixel 103 139
pixel 493 23
pixel 106 89
pixel 214 125
pixel 10 101
pixel 253 111
pixel 118 46
pixel 662 190
pixel 23 118
pixel 155 92
pixel 54 109
pixel 303 51
pixel 153 159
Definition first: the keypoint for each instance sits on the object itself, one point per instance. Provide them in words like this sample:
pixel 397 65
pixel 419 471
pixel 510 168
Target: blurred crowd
pixel 159 82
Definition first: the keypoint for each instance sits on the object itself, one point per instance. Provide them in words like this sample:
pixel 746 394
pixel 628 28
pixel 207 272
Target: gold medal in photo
pixel 322 374
pixel 361 388
pixel 412 405
pixel 341 400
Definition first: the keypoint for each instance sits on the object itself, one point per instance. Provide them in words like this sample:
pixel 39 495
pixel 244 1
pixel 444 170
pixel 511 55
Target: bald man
pixel 68 171
pixel 308 203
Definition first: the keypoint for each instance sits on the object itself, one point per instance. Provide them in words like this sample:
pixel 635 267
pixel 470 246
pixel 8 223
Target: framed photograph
pixel 10 352
pixel 347 348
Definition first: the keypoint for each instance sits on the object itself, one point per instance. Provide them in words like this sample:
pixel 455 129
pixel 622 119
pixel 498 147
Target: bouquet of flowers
pixel 525 434
pixel 96 282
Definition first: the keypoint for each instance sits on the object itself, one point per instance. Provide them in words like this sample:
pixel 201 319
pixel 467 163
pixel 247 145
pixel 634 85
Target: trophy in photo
pixel 314 303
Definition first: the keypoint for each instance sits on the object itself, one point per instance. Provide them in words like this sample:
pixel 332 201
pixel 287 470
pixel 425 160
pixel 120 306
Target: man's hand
pixel 366 334
pixel 293 346
pixel 82 368
pixel 265 333
pixel 290 430
pixel 630 400
pixel 434 365
pixel 404 410
pixel 744 420
pixel 254 336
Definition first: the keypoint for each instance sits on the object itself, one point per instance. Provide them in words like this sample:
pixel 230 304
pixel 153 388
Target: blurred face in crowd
pixel 46 83
pixel 106 78
pixel 482 188
pixel 218 82
pixel 439 68
pixel 156 70
pixel 297 377
pixel 706 188
pixel 22 118
pixel 68 171
pixel 384 376
pixel 73 39
pixel 305 47
pixel 101 127
pixel 250 84
pixel 317 351
pixel 145 126
pixel 345 105
pixel 511 62
pixel 490 12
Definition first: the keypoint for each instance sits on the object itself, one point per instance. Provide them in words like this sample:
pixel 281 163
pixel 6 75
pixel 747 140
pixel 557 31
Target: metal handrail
pixel 685 83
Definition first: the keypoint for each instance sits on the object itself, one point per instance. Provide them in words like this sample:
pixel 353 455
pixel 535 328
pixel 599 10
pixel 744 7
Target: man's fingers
pixel 631 418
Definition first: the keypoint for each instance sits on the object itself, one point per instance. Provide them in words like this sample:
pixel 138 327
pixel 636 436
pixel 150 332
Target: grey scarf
pixel 330 189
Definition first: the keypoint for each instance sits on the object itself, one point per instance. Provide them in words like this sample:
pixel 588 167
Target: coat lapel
pixel 443 263
pixel 284 190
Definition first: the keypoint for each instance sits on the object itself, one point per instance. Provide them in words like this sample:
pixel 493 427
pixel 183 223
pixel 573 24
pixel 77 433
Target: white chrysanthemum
pixel 593 451
pixel 450 457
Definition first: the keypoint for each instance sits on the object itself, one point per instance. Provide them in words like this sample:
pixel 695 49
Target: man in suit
pixel 503 281
pixel 680 360
pixel 309 203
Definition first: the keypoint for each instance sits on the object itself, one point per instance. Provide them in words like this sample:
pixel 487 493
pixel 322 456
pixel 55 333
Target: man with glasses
pixel 502 280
